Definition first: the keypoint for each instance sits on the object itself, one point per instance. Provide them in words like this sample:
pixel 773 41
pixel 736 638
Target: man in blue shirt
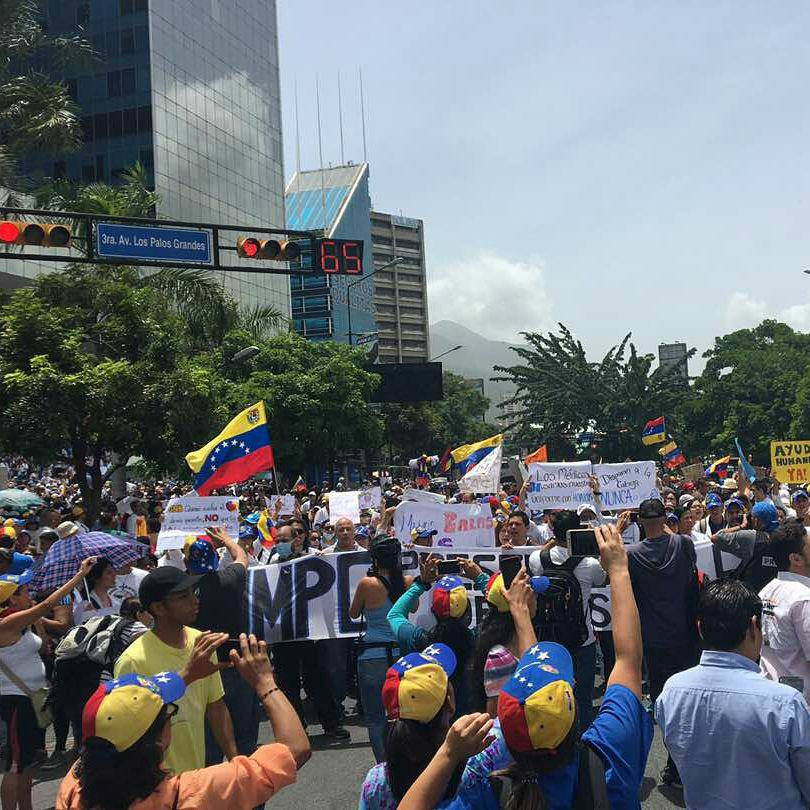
pixel 738 739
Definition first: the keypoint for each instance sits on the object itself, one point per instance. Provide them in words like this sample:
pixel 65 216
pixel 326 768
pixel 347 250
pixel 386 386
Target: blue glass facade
pixel 191 89
pixel 336 201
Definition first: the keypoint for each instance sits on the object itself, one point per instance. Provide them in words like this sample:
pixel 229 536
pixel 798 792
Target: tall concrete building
pixel 400 292
pixel 190 88
pixel 336 202
pixel 674 354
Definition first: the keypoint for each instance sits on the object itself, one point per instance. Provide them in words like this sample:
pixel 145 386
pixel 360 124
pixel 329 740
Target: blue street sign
pixel 153 244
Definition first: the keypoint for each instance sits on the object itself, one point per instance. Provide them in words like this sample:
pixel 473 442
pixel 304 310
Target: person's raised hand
pixel 468 736
pixel 519 592
pixel 623 522
pixel 86 566
pixel 217 534
pixel 469 569
pixel 200 665
pixel 612 552
pixel 253 664
pixel 429 569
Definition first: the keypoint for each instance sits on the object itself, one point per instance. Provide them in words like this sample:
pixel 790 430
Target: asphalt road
pixel 332 778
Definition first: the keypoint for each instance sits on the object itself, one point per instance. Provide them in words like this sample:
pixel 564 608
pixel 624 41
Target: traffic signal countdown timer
pixel 331 256
pixel 43 234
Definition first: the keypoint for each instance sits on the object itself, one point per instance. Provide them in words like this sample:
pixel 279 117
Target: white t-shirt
pixel 321 516
pixel 589 574
pixel 786 629
pixel 538 534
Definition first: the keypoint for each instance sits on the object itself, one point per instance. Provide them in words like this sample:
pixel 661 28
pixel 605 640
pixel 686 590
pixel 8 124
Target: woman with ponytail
pixel 552 766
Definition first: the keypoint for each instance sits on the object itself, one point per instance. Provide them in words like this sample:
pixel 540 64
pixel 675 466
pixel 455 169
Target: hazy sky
pixel 615 166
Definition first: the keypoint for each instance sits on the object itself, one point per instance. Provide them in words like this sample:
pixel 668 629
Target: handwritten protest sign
pixel 310 597
pixel 561 485
pixel 287 504
pixel 790 461
pixel 693 472
pixel 370 498
pixel 456 524
pixel 344 504
pixel 625 486
pixel 422 495
pixel 185 516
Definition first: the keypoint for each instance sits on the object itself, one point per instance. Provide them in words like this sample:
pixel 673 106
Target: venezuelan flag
pixel 674 459
pixel 654 431
pixel 241 450
pixel 720 467
pixel 468 455
pixel 667 448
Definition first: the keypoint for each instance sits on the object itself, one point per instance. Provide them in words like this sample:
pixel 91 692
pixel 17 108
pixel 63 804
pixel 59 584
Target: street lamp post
pixel 454 349
pixel 392 263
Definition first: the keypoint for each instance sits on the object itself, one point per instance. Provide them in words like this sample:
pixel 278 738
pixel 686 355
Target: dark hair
pixel 130 607
pixel 680 511
pixel 114 781
pixel 409 747
pixel 6 541
pixel 96 572
pixel 519 513
pixel 567 519
pixel 527 794
pixel 724 612
pixel 386 565
pixel 153 525
pixel 787 539
pixel 496 628
pixel 761 483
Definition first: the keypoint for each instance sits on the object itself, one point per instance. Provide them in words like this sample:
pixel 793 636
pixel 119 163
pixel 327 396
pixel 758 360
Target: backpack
pixel 760 569
pixel 591 791
pixel 560 612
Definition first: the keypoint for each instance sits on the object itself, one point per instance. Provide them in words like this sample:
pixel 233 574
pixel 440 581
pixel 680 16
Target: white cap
pixel 586 507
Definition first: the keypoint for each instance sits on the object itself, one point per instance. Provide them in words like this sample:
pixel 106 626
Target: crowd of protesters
pixel 149 667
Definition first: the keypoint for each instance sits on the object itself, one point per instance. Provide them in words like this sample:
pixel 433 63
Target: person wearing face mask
pixel 327 535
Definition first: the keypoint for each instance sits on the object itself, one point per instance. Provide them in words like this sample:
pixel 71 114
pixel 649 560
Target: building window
pixel 112 43
pixel 128 41
pixel 382 240
pixel 126 7
pixel 87 129
pixel 127 81
pixel 88 173
pixel 130 121
pixel 83 14
pixel 141 5
pixel 116 124
pixel 59 170
pixel 147 158
pixel 100 130
pixel 409 244
pixel 99 167
pixel 114 83
pixel 73 89
pixel 144 119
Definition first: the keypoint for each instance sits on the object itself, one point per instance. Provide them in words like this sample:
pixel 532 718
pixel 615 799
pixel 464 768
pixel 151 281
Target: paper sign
pixel 344 504
pixel 790 461
pixel 185 516
pixel 561 485
pixel 625 486
pixel 370 498
pixel 422 496
pixel 693 472
pixel 287 504
pixel 456 524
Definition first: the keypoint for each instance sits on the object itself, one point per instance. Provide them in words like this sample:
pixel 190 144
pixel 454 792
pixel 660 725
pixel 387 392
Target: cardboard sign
pixel 561 485
pixel 457 524
pixel 344 504
pixel 185 516
pixel 693 472
pixel 625 486
pixel 287 507
pixel 790 461
pixel 370 498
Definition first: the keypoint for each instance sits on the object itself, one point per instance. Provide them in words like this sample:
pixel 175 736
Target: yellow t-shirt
pixel 148 655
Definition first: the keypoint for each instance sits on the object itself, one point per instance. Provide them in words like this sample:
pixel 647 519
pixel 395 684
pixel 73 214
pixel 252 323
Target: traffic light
pixel 249 247
pixel 43 234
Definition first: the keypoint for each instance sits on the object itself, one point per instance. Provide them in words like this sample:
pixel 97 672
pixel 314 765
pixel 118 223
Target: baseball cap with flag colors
pixel 450 598
pixel 121 711
pixel 536 706
pixel 415 687
pixel 496 597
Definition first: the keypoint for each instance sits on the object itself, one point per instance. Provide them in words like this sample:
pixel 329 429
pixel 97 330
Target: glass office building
pixel 190 88
pixel 337 202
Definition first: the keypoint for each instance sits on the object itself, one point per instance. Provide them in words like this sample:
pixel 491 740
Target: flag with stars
pixel 241 450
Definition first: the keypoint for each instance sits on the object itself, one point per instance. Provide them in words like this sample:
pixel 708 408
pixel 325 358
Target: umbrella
pixel 64 557
pixel 19 499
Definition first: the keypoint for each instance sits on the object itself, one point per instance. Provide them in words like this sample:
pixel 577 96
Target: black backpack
pixel 591 791
pixel 760 569
pixel 560 612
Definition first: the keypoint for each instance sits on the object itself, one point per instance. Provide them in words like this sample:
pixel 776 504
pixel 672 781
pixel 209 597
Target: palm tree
pixel 36 112
pixel 208 310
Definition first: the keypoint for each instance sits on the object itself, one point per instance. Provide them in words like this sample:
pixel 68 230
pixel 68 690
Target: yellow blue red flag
pixel 242 449
pixel 468 455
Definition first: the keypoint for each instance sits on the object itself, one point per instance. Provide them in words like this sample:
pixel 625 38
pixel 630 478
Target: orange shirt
pixel 242 782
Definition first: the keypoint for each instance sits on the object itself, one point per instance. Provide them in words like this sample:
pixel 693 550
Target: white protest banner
pixel 422 496
pixel 625 486
pixel 457 524
pixel 185 516
pixel 310 597
pixel 561 485
pixel 287 506
pixel 370 498
pixel 344 504
pixel 485 477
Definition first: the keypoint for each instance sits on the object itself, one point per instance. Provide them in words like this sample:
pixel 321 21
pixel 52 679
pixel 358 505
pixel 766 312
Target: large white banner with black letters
pixel 309 598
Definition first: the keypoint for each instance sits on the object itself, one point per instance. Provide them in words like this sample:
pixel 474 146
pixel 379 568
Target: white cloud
pixel 744 311
pixel 491 295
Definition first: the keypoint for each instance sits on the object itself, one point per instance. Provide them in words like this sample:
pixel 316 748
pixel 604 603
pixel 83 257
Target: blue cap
pixel 799 493
pixel 735 502
pixel 436 653
pixel 247 531
pixel 201 557
pixel 671 517
pixel 713 501
pixel 766 513
pixel 253 517
pixel 362 531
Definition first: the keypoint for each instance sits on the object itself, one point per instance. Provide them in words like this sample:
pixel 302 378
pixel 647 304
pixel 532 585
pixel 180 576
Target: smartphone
pixel 582 543
pixel 510 566
pixel 448 567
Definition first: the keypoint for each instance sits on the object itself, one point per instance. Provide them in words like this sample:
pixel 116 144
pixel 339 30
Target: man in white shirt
pixel 590 574
pixel 786 609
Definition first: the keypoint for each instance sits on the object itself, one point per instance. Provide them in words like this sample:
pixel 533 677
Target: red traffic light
pixel 247 247
pixel 34 233
pixel 250 248
pixel 9 232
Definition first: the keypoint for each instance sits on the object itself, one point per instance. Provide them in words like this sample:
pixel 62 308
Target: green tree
pixel 317 395
pixel 36 112
pixel 754 386
pixel 94 367
pixel 561 394
pixel 208 311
